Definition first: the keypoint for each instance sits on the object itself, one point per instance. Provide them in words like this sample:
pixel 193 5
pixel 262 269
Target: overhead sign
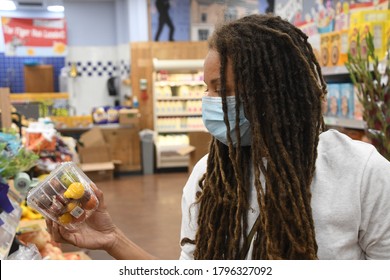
pixel 34 37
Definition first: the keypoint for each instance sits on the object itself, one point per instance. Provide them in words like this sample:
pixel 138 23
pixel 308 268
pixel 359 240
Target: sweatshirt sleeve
pixel 374 233
pixel 189 223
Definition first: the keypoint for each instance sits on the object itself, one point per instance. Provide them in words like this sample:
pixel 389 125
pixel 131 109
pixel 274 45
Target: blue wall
pixel 122 22
pixel 11 67
pixel 91 24
pixel 12 70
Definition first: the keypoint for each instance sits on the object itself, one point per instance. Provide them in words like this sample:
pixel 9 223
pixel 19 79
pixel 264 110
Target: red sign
pixel 23 32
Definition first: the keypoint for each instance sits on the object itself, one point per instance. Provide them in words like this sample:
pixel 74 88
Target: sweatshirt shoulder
pixel 333 142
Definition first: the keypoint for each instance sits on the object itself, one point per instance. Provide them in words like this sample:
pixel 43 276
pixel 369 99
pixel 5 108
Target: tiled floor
pixel 148 210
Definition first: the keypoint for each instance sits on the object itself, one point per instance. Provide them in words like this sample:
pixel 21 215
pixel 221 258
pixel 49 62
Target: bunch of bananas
pixel 28 213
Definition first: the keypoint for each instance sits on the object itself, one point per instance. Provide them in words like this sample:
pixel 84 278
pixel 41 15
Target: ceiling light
pixel 56 8
pixel 7 6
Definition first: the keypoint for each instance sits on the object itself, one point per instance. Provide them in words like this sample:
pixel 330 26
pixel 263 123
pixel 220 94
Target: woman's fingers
pixel 49 225
pixel 99 195
pixel 55 232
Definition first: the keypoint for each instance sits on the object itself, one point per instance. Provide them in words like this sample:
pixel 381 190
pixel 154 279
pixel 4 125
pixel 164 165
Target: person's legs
pixel 159 29
pixel 171 28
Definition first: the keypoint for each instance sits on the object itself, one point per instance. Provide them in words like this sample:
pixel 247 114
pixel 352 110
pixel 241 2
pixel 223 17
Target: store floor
pixel 148 210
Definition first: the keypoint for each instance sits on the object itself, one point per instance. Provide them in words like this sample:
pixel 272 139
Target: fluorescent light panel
pixel 7 5
pixel 56 8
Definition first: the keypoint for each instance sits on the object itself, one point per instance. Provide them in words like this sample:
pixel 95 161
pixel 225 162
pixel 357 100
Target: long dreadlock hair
pixel 279 82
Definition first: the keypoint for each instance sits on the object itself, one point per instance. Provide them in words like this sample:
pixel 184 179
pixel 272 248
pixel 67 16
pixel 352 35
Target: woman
pixel 274 185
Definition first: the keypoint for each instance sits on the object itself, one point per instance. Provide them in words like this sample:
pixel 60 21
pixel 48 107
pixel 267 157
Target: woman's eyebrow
pixel 215 81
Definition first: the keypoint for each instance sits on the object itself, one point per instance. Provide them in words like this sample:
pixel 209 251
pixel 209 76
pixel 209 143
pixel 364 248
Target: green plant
pixel 13 157
pixel 371 78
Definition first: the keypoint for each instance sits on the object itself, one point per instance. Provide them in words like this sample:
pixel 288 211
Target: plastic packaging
pixel 29 252
pixel 65 196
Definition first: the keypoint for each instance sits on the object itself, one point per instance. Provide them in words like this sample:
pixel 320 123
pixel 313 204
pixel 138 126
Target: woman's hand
pixel 97 232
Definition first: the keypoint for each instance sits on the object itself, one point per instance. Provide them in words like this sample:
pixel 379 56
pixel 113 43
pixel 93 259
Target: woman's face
pixel 212 75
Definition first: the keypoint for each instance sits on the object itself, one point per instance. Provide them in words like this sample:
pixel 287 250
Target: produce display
pixel 65 196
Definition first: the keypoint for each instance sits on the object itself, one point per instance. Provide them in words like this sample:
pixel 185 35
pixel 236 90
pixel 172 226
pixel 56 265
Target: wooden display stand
pixel 142 54
pixel 5 108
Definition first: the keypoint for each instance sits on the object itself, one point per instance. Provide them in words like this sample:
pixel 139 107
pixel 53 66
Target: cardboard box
pixel 119 145
pixel 333 100
pixel 124 146
pixel 378 31
pixel 346 100
pixel 94 154
pixel 338 48
pixel 100 171
pixel 95 157
pixel 92 138
pixel 325 47
pixel 368 16
pixel 129 116
pixel 93 147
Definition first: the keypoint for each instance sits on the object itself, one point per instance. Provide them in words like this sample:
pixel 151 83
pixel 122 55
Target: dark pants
pixel 165 19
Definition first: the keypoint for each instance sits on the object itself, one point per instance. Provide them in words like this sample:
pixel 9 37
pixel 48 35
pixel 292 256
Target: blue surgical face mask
pixel 212 115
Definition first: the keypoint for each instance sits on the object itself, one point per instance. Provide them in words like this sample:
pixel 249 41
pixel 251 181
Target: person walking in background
pixel 164 18
pixel 275 184
pixel 270 7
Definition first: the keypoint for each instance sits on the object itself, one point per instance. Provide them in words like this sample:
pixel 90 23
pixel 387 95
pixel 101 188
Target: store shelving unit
pixel 340 74
pixel 177 93
pixel 347 123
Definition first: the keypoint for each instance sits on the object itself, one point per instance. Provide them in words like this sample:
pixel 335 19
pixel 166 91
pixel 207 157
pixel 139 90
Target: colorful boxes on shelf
pixel 342 102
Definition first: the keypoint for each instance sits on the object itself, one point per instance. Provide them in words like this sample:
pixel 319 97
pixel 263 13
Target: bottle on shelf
pixel 135 102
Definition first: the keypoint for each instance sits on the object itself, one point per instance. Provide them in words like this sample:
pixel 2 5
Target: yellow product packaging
pixel 378 31
pixel 368 16
pixel 338 48
pixel 324 46
pixel 315 42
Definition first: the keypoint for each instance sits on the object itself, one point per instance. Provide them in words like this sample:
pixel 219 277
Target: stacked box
pixel 367 16
pixel 324 47
pixel 338 48
pixel 378 31
pixel 333 100
pixel 374 21
pixel 346 101
pixel 358 107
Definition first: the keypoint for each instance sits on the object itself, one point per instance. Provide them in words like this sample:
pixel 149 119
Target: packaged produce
pixel 65 196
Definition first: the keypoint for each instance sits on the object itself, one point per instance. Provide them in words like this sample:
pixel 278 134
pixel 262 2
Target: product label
pixel 77 212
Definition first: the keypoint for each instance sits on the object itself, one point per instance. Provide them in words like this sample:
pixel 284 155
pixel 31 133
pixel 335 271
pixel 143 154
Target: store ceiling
pixel 87 1
pixel 42 4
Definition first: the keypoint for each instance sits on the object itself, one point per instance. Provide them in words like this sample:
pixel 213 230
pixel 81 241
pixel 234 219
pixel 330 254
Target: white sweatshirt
pixel 350 201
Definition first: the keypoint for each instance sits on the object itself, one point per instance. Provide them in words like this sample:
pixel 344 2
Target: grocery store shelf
pixel 177 64
pixel 334 70
pixel 178 98
pixel 347 123
pixel 38 96
pixel 184 130
pixel 179 83
pixel 185 114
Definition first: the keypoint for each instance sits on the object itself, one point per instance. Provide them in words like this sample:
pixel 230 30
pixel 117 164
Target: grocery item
pixel 65 196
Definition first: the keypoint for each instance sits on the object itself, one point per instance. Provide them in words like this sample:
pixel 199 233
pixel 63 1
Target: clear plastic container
pixel 65 196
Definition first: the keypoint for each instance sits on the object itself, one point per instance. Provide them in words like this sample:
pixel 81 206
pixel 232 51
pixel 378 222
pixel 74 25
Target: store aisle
pixel 148 210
